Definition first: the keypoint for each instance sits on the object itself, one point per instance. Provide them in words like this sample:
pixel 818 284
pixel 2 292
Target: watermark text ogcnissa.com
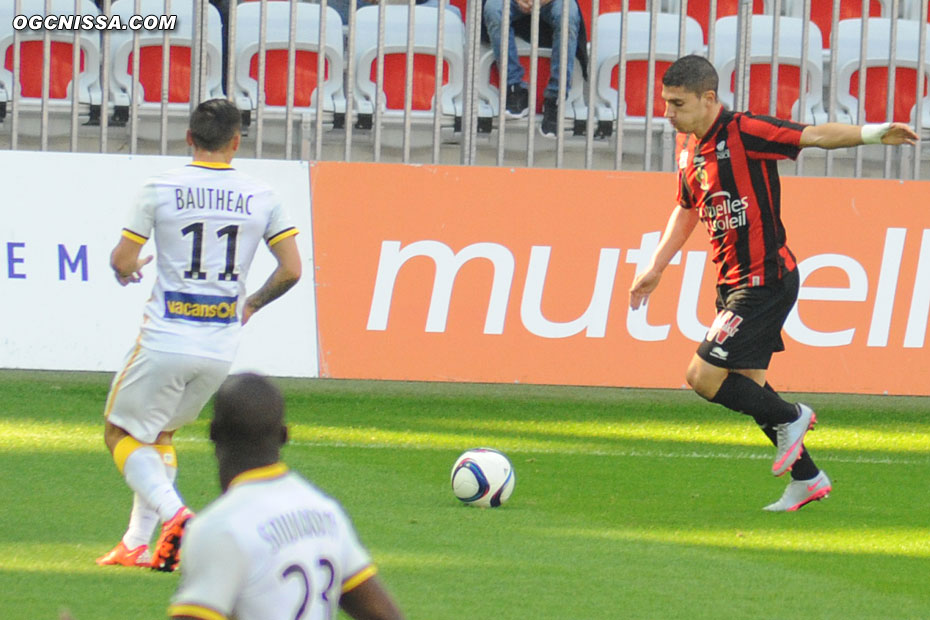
pixel 94 22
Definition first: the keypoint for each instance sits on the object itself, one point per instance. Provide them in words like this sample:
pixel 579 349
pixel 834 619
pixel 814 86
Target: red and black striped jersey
pixel 731 176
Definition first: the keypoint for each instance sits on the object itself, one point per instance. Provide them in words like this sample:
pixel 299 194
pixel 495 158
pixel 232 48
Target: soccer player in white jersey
pixel 273 546
pixel 207 220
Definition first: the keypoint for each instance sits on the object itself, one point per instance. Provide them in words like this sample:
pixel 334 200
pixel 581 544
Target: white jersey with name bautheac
pixel 208 220
pixel 272 547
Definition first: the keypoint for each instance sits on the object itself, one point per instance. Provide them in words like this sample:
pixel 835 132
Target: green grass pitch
pixel 628 503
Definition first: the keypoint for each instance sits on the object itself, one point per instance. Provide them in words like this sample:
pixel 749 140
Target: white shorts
pixel 157 391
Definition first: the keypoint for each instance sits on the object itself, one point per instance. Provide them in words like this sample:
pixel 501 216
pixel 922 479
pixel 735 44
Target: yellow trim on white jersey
pixel 134 236
pixel 260 473
pixel 359 578
pixel 195 611
pixel 215 165
pixel 202 198
pixel 284 234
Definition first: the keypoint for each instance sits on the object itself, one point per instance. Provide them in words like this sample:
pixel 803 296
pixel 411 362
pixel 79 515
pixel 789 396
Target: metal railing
pixel 352 117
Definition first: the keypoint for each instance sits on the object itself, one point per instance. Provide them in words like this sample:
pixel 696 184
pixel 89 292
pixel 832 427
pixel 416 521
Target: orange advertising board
pixel 444 273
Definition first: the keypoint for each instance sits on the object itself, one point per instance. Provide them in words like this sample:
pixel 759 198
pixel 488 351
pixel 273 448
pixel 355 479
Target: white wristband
pixel 874 132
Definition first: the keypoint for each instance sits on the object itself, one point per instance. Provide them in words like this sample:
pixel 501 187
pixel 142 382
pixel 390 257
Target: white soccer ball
pixel 483 477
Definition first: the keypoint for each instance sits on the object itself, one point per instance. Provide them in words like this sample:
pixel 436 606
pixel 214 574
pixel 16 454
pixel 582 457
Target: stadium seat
pixel 637 54
pixel 61 69
pixel 910 9
pixel 789 67
pixel 148 100
pixel 877 63
pixel 822 13
pixel 607 6
pixel 277 34
pixel 700 10
pixel 423 104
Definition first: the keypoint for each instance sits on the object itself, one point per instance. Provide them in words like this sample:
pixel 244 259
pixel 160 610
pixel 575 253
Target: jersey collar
pixel 723 116
pixel 268 472
pixel 213 165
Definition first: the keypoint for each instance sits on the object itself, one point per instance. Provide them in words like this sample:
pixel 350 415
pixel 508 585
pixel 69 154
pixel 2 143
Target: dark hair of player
pixel 214 123
pixel 249 411
pixel 693 73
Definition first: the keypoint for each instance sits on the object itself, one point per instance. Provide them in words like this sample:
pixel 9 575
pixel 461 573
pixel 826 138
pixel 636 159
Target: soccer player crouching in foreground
pixel 208 220
pixel 272 545
pixel 728 179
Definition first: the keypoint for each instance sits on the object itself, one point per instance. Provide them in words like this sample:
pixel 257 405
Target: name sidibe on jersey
pixel 291 527
pixel 213 199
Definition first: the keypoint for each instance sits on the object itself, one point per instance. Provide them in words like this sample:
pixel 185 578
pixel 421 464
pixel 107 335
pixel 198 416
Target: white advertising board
pixel 60 306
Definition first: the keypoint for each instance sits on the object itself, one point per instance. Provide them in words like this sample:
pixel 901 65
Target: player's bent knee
pixel 704 383
pixel 112 435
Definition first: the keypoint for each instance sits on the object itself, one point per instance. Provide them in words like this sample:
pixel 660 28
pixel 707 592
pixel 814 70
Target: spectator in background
pixel 550 34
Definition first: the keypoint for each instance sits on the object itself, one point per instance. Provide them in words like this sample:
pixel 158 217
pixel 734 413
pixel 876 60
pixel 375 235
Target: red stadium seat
pixel 307 48
pixel 876 103
pixel 150 56
pixel 62 47
pixel 877 63
pixel 700 10
pixel 423 105
pixel 789 70
pixel 424 80
pixel 150 73
pixel 31 63
pixel 305 76
pixel 822 13
pixel 638 37
pixel 607 6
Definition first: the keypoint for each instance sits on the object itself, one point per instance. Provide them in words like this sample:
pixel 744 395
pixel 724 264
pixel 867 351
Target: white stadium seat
pixel 149 97
pixel 637 53
pixel 877 61
pixel 307 44
pixel 61 68
pixel 789 61
pixel 395 49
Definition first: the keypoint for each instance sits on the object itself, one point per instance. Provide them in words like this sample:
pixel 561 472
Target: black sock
pixel 804 468
pixel 740 393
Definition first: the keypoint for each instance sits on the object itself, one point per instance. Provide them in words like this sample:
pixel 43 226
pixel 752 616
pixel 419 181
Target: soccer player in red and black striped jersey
pixel 728 180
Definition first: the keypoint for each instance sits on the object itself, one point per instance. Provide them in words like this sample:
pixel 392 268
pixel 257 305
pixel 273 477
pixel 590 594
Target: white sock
pixel 142 522
pixel 146 475
pixel 143 519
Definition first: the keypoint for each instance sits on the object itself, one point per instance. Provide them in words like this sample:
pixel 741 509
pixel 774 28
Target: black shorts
pixel 747 330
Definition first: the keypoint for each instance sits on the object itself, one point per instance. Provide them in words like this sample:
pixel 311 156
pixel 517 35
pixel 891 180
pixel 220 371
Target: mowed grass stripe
pixel 594 438
pixel 51 558
pixel 904 542
pixel 84 438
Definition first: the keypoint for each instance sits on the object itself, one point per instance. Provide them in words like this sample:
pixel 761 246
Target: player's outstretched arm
pixel 125 261
pixel 285 275
pixel 680 225
pixel 370 601
pixel 841 135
